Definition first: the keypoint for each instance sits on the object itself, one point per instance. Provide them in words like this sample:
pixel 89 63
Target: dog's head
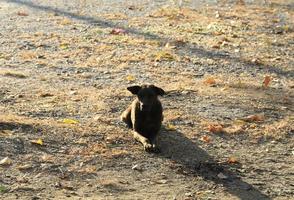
pixel 147 95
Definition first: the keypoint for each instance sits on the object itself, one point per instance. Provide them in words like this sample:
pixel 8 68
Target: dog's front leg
pixel 146 143
pixel 154 142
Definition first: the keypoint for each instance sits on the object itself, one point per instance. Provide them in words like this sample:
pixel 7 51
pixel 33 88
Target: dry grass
pixel 13 74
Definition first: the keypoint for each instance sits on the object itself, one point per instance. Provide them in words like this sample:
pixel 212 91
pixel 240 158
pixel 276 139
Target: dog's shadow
pixel 176 147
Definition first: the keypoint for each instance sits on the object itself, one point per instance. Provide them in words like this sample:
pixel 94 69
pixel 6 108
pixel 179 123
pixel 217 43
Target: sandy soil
pixel 228 72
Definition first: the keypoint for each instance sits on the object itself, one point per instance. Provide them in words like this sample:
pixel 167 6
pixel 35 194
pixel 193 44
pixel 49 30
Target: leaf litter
pixel 92 60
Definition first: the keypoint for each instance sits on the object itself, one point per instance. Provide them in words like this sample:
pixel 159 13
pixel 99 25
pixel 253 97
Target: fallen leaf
pixel 6 161
pixel 232 160
pixel 70 121
pixel 164 56
pixel 254 118
pixel 215 128
pixel 117 31
pixel 64 46
pixel 209 81
pixel 206 139
pixel 130 78
pixel 266 81
pixel 23 14
pixel 170 127
pixel 38 141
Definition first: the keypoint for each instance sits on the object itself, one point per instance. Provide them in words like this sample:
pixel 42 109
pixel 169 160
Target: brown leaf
pixel 215 128
pixel 117 31
pixel 266 81
pixel 206 139
pixel 232 160
pixel 209 81
pixel 23 14
pixel 254 118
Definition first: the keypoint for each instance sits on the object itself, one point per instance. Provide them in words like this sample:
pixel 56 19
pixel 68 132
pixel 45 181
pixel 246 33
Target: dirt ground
pixel 227 68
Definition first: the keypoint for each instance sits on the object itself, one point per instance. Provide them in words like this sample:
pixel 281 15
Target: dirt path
pixel 228 71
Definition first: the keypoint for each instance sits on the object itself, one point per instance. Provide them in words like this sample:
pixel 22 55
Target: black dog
pixel 144 115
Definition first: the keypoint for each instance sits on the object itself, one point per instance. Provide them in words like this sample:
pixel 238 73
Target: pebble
pixel 136 167
pixel 163 181
pixel 188 194
pixel 73 92
pixel 222 176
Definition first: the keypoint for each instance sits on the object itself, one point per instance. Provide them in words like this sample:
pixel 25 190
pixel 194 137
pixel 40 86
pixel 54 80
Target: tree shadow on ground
pixel 188 47
pixel 176 147
pixel 11 146
pixel 15 126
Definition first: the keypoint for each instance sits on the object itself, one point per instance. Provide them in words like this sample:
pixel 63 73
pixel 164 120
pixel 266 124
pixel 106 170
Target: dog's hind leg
pixel 146 143
pixel 126 117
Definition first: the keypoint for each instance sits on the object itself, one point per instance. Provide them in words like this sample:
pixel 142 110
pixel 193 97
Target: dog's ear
pixel 158 90
pixel 134 89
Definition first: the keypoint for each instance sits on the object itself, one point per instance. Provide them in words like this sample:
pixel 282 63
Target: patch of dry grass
pixel 13 74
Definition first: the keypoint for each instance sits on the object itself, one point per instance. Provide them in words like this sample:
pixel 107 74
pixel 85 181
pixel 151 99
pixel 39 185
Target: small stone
pixel 57 185
pixel 73 92
pixel 188 194
pixel 163 181
pixel 185 92
pixel 222 176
